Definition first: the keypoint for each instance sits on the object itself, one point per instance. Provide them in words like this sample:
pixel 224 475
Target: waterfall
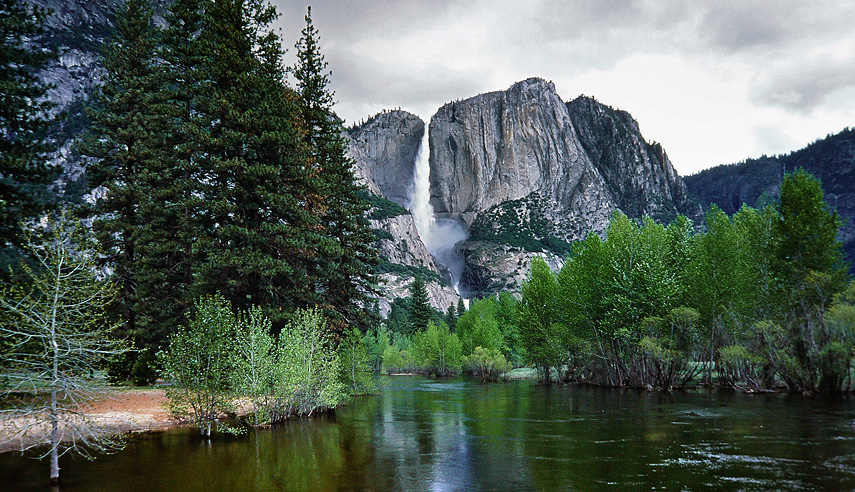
pixel 439 235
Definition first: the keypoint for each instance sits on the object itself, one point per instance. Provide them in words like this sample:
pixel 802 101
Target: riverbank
pixel 124 410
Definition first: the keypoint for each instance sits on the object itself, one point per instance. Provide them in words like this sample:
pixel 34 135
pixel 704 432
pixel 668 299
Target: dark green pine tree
pixel 461 308
pixel 122 141
pixel 257 234
pixel 347 275
pixel 451 317
pixel 24 170
pixel 166 256
pixel 421 312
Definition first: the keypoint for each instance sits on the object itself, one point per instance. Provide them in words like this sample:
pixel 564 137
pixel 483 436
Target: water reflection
pixel 445 435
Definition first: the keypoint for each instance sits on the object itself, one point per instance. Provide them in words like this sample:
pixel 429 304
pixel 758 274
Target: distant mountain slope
pixel 831 159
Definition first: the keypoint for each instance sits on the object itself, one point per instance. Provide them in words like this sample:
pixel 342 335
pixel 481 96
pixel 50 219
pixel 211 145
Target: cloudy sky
pixel 715 81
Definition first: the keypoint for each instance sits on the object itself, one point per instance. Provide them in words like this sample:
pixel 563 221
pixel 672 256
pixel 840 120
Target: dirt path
pixel 132 410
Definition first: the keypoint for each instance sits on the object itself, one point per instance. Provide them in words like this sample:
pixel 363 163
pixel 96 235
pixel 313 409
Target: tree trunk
pixel 54 440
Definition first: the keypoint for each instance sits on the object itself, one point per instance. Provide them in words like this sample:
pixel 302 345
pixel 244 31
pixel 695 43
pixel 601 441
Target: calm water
pixel 444 435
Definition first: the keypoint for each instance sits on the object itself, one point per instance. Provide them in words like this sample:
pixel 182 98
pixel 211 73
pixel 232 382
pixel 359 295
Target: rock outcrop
pixel 527 173
pixel 385 148
pixel 831 159
pixel 404 255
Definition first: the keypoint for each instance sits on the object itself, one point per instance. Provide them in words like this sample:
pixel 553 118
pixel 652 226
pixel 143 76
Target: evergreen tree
pixel 461 307
pixel 256 232
pixel 347 272
pixel 123 138
pixel 421 312
pixel 24 171
pixel 166 257
pixel 451 318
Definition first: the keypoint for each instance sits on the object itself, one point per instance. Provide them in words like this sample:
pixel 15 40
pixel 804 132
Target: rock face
pixel 385 149
pixel 505 146
pixel 831 159
pixel 526 171
pixel 638 175
pixel 405 255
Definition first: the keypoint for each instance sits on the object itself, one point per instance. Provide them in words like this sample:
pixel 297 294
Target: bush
pixel 437 350
pixel 487 364
pixel 307 367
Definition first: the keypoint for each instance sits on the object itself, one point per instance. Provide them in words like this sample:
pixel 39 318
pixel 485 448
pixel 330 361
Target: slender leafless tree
pixel 55 338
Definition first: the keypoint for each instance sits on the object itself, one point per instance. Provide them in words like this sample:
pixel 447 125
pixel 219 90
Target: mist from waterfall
pixel 439 235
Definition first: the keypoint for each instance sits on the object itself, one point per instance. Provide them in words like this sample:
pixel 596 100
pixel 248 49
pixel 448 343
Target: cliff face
pixel 831 159
pixel 527 174
pixel 505 146
pixel 385 149
pixel 638 175
pixel 404 255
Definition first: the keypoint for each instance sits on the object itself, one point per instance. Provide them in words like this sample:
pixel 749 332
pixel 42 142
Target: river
pixel 425 434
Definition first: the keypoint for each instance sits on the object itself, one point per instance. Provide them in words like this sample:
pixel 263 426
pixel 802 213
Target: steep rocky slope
pixel 385 149
pixel 528 173
pixel 831 159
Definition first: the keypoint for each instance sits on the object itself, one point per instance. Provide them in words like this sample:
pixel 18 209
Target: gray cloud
pixel 766 61
pixel 806 84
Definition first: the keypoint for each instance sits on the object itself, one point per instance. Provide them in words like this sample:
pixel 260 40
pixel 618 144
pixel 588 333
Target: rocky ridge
pixel 831 159
pixel 527 174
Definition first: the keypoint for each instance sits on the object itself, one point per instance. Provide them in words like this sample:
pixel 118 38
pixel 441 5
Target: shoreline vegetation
pixel 126 411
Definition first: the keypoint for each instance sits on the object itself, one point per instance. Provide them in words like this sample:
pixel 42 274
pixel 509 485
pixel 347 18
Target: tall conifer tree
pixel 123 140
pixel 166 256
pixel 348 270
pixel 257 234
pixel 24 170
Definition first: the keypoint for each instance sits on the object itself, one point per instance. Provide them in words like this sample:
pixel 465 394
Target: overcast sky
pixel 714 81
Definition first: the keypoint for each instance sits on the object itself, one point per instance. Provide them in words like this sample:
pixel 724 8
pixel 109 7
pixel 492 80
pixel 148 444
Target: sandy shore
pixel 124 410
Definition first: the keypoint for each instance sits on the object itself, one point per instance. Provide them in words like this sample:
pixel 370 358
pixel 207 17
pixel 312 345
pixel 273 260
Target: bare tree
pixel 56 336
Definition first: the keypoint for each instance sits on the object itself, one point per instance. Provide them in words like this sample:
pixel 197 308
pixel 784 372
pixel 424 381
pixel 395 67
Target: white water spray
pixel 439 235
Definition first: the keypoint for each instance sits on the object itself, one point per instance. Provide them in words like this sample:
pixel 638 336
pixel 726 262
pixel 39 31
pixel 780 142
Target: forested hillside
pixel 831 159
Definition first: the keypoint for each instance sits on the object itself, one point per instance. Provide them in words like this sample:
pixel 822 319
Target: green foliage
pixel 487 364
pixel 254 366
pixel 385 266
pixel 308 367
pixel 199 364
pixel 124 133
pixel 437 350
pixel 421 312
pixel 807 230
pixel 749 297
pixel 347 277
pixel 478 327
pixel 24 169
pixel 380 208
pixel 356 366
pixel 219 178
pixel 519 223
pixel 540 332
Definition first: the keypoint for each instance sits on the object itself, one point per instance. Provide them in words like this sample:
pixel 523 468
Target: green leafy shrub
pixel 487 364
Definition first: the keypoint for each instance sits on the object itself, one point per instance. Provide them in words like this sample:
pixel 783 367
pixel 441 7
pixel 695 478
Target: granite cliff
pixel 384 150
pixel 527 174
